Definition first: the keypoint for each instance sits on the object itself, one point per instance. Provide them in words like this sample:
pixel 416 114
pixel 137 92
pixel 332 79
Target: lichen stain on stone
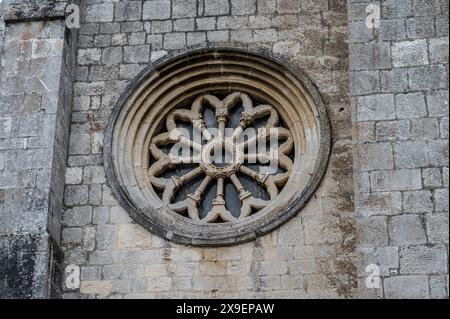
pixel 96 126
pixel 167 259
pixel 17 262
pixel 341 161
pixel 347 227
pixel 348 272
pixel 255 266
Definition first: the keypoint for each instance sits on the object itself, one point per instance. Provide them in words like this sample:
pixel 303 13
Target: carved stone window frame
pixel 231 68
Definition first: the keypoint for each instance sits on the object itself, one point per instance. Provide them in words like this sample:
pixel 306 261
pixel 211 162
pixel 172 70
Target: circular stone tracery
pixel 242 146
pixel 197 199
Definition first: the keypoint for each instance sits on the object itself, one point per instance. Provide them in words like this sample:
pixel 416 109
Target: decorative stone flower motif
pixel 234 151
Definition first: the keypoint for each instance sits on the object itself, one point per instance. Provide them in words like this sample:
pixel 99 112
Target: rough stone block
pixel 437 103
pixel 93 175
pixel 218 36
pixel 392 30
pixel 437 228
pixel 365 82
pixel 74 175
pixel 119 216
pixel 441 200
pixel 395 9
pixel 438 50
pixel 372 56
pixel 426 7
pixel 406 230
pixel 133 236
pixel 91 273
pixel 243 7
pixel 376 156
pixel 265 35
pixel 394 81
pixel 385 203
pixel 156 10
pixel 174 41
pixel 403 179
pixel 128 11
pixel 184 24
pixel 432 177
pixel 392 130
pixel 423 260
pixel 103 12
pixel 410 53
pixel 420 27
pixel 119 39
pixel 77 216
pixel 428 77
pixel 375 107
pixel 273 268
pixel 137 54
pixel 131 26
pixel 106 237
pixel 112 55
pixel 406 287
pixel 136 38
pixel 439 287
pixel 425 128
pixel 266 6
pixel 291 233
pixel 184 8
pixel 442 26
pixel 76 195
pixel 288 6
pixel 438 152
pixel 72 235
pixel 101 257
pixel 89 56
pixel 374 231
pixel 101 288
pixel 418 201
pixel 216 7
pixel 321 230
pixel 410 105
pixel 411 154
pixel 204 24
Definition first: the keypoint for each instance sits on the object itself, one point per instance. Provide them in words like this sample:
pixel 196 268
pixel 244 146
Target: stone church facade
pixel 368 218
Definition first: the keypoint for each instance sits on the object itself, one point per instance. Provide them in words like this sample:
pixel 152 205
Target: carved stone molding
pixel 221 94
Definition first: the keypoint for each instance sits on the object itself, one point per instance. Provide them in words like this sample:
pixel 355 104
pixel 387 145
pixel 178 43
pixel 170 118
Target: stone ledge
pixel 35 10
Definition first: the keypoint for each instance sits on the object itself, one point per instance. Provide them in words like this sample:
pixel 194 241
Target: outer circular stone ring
pixel 216 145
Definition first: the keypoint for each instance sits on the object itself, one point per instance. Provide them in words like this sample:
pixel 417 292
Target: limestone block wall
pixel 313 255
pixel 399 87
pixel 35 100
pixel 383 201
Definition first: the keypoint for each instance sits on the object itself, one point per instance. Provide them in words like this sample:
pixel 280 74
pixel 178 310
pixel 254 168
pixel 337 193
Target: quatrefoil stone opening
pixel 216 146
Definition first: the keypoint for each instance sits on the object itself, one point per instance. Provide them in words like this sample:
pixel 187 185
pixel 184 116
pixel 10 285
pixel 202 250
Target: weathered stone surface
pixel 156 9
pixel 406 230
pixel 33 144
pixel 375 107
pixel 399 87
pixel 423 260
pixel 100 12
pixel 216 7
pixel 410 105
pixel 407 287
pixel 411 53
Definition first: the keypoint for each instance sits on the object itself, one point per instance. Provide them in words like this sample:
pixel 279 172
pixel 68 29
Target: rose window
pixel 222 159
pixel 216 146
